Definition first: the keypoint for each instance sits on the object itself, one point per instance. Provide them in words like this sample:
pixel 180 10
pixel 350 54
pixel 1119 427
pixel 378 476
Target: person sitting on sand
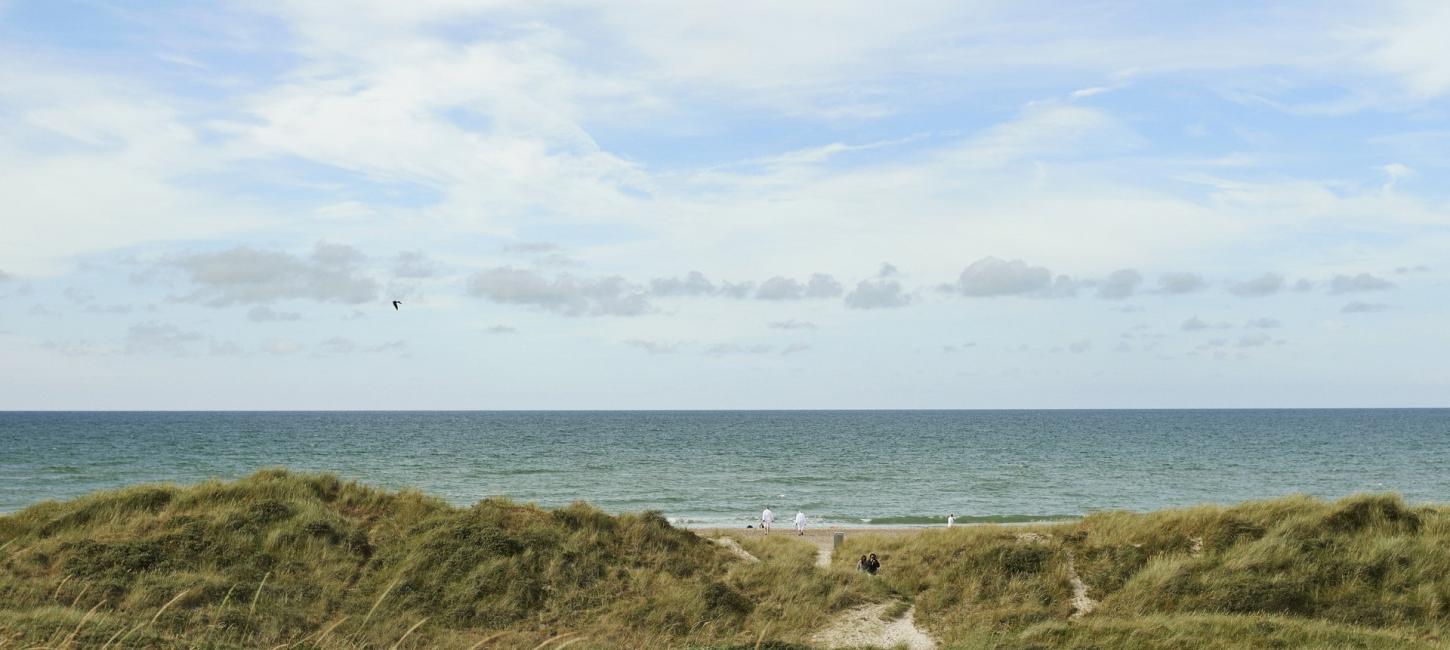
pixel 951 519
pixel 766 519
pixel 864 564
pixel 873 565
pixel 800 522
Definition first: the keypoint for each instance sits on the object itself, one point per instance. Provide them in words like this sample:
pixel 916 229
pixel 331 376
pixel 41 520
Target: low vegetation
pixel 308 561
pixel 1364 572
pixel 279 559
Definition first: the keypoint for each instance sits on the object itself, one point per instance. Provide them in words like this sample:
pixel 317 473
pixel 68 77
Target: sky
pixel 646 205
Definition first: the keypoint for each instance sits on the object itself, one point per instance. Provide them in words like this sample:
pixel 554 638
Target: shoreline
pixel 787 527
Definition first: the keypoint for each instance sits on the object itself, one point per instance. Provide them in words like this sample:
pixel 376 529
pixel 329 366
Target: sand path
pixel 1081 604
pixel 863 626
pixel 824 548
pixel 735 548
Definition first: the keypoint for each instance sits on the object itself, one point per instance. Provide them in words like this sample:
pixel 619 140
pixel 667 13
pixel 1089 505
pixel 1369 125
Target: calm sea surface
pixel 882 467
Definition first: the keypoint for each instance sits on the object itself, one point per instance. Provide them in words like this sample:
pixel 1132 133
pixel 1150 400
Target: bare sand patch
pixel 863 626
pixel 735 548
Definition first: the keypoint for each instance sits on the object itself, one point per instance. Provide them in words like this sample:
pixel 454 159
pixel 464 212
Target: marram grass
pixel 296 560
pixel 284 560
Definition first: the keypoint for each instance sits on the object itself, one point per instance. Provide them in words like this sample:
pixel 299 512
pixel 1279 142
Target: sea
pixel 720 468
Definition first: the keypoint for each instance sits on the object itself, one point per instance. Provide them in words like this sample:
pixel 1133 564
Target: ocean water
pixel 721 468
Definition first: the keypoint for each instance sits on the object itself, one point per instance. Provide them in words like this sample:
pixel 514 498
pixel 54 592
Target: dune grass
pixel 1366 571
pixel 280 558
pixel 308 561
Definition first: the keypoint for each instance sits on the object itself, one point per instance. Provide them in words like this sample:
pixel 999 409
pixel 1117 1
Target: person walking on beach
pixel 873 565
pixel 766 519
pixel 951 519
pixel 864 565
pixel 800 522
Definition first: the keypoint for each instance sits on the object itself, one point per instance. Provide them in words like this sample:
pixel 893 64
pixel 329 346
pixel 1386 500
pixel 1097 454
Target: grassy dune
pixel 280 558
pixel 1364 572
pixel 307 561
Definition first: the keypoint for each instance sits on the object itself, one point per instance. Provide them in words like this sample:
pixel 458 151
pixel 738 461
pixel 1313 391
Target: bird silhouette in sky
pixel 396 303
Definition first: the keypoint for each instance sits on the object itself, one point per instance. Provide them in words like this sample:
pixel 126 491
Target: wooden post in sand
pixel 836 540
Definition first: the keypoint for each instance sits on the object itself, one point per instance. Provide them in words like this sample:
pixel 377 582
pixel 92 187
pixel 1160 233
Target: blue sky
pixel 723 205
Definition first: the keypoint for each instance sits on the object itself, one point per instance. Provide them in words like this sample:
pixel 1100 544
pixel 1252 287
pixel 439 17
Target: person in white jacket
pixel 800 523
pixel 766 519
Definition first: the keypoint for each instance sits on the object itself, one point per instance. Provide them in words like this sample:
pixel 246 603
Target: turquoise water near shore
pixel 721 468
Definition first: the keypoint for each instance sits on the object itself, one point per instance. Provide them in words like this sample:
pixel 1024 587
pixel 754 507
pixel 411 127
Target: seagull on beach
pixel 396 303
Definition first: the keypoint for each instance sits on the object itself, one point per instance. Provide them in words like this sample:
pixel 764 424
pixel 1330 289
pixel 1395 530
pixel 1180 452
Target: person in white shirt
pixel 766 519
pixel 800 522
pixel 951 519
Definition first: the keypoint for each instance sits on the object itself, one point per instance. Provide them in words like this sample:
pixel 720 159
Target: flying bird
pixel 396 303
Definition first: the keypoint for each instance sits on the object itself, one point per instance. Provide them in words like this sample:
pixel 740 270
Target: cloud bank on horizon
pixel 742 205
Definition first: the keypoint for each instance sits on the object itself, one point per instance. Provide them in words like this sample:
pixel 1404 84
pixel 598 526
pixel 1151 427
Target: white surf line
pixel 862 626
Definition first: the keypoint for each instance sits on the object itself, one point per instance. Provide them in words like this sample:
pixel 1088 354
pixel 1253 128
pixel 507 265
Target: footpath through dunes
pixel 1365 572
pixel 281 559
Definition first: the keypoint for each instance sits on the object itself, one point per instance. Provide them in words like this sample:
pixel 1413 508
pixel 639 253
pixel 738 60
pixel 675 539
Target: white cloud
pixel 244 275
pixel 265 314
pixel 1358 283
pixel 1195 324
pixel 280 347
pixel 779 288
pixel 1179 283
pixel 1359 307
pixel 564 294
pixel 735 349
pixel 1264 285
pixel 880 292
pixel 645 142
pixel 160 338
pixel 414 265
pixel 820 285
pixel 654 347
pixel 1047 131
pixel 337 345
pixel 794 348
pixel 791 325
pixel 990 276
pixel 1409 42
pixel 693 284
pixel 1254 340
pixel 877 294
pixel 1120 284
pixel 124 145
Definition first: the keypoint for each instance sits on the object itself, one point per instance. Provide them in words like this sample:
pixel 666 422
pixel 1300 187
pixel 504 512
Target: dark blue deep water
pixel 894 467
